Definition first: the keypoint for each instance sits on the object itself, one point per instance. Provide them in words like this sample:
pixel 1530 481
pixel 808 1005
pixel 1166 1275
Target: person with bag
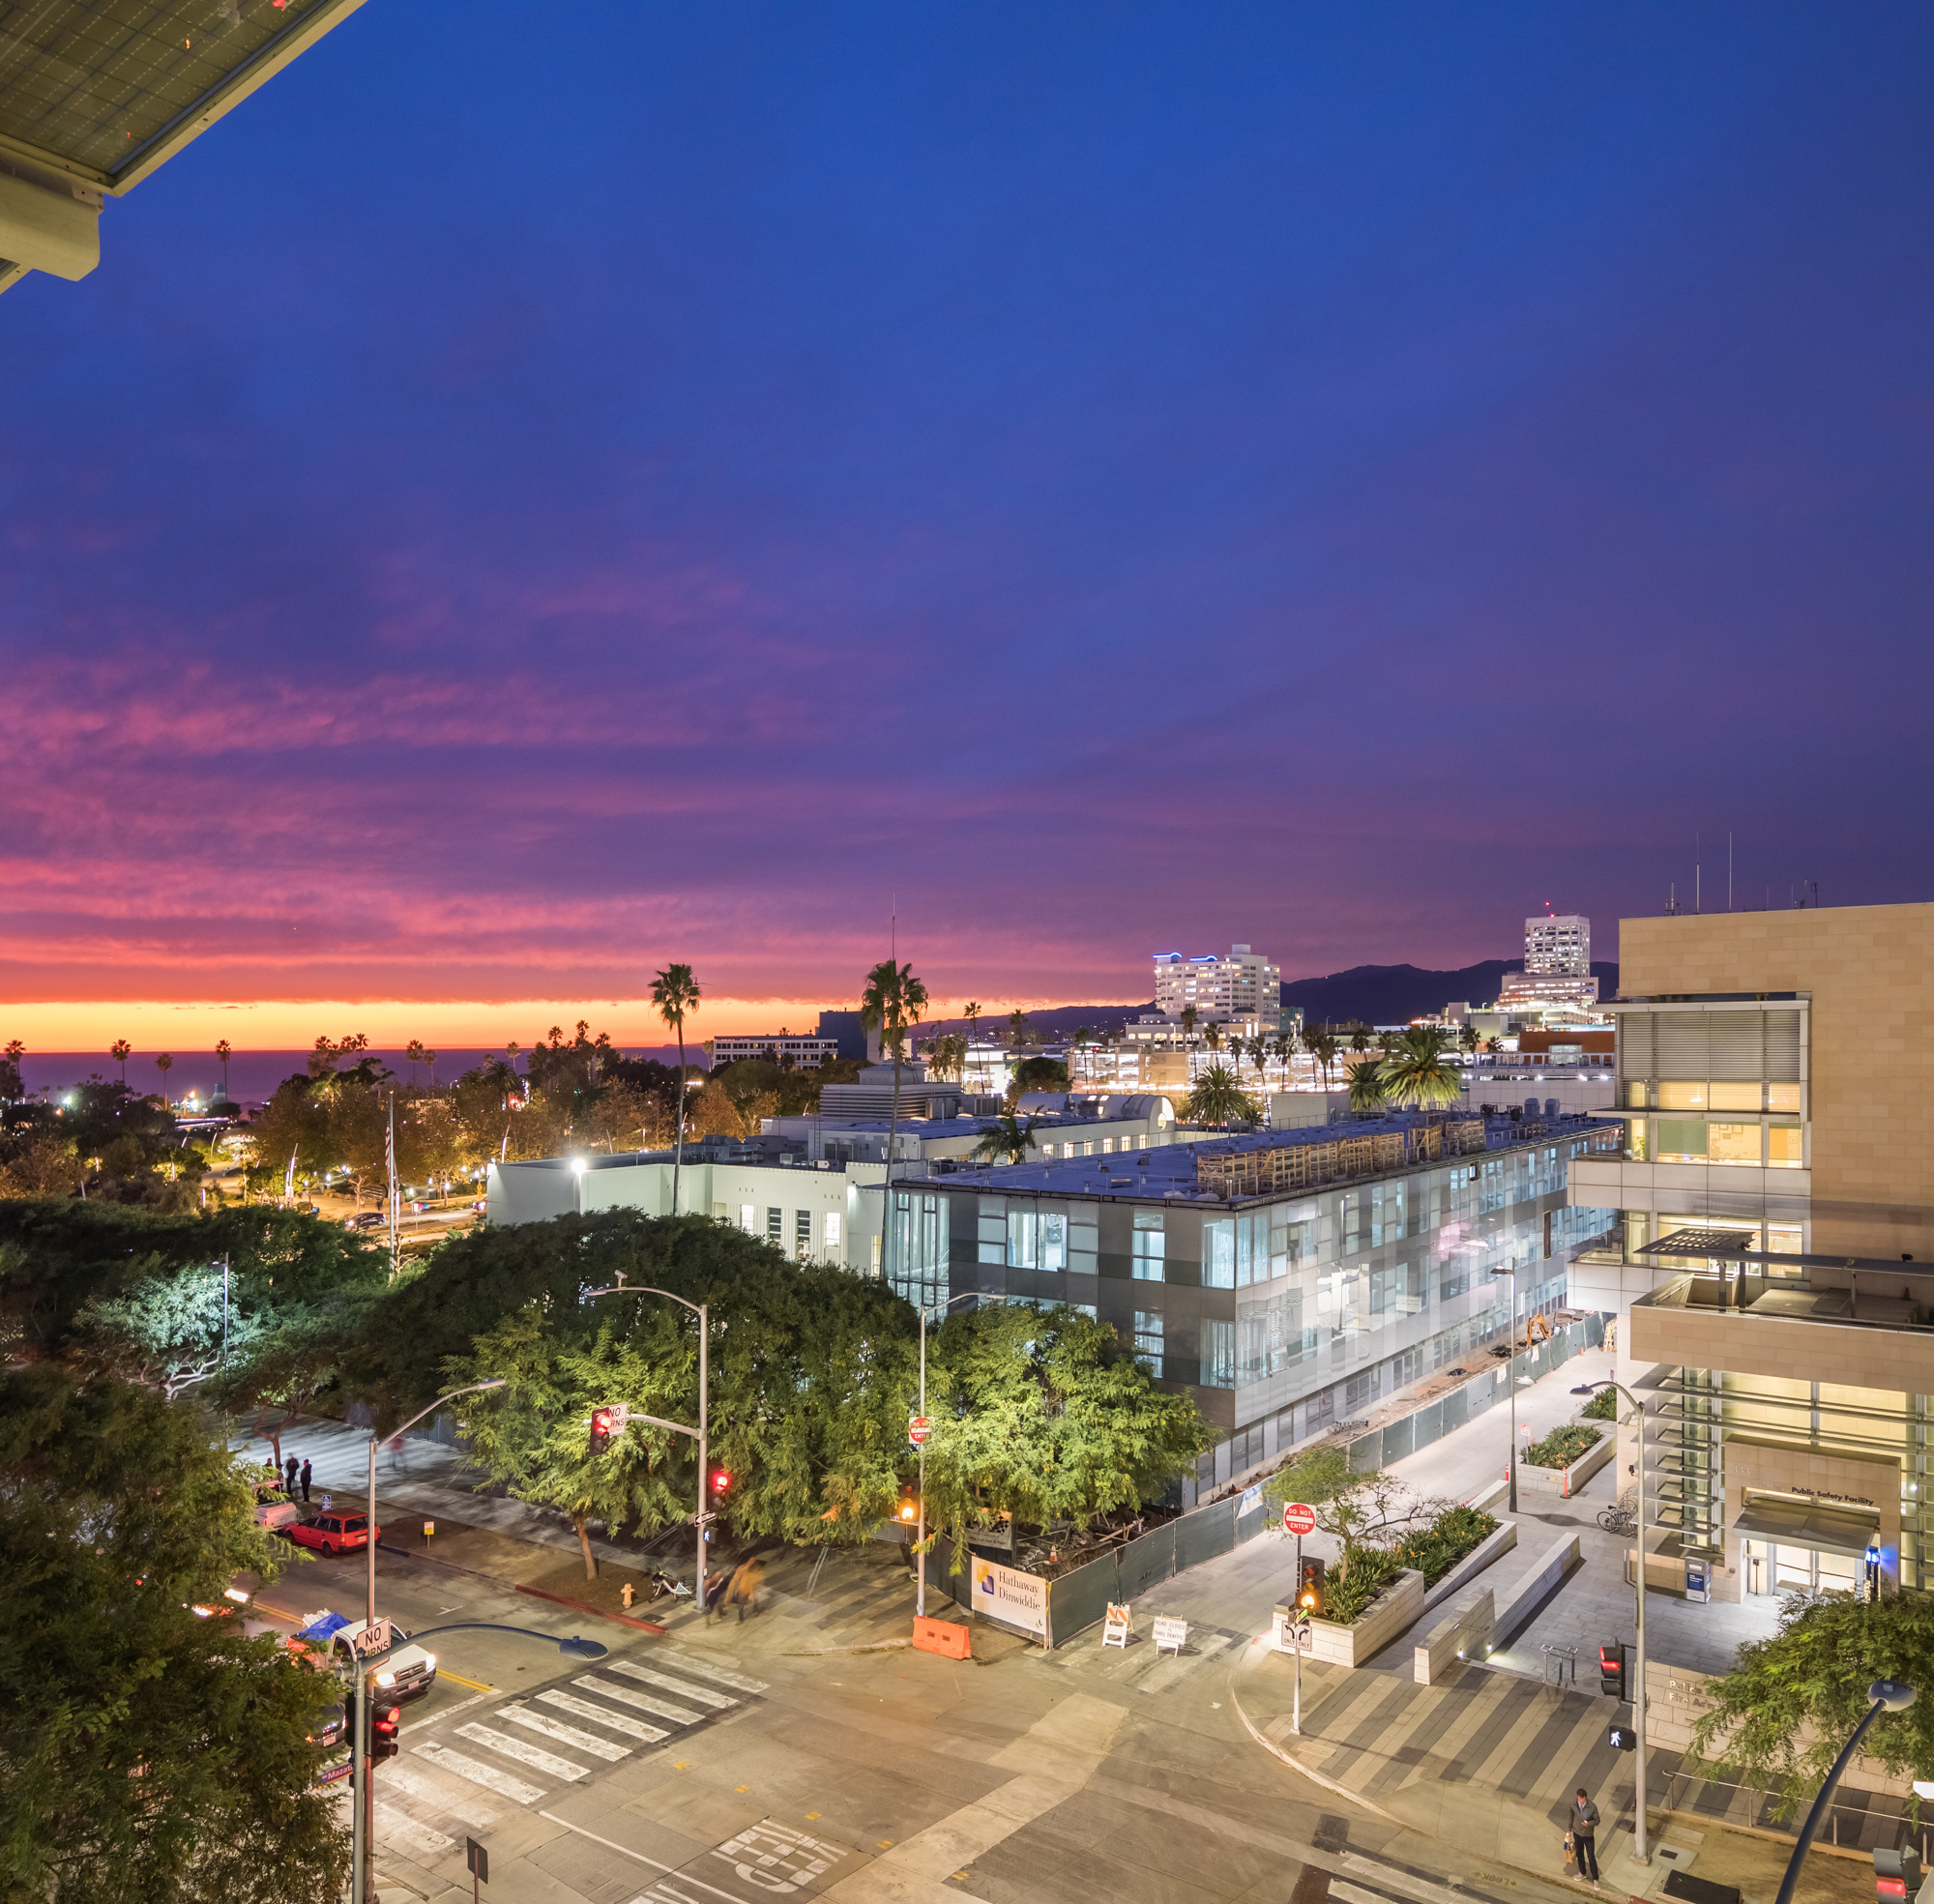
pixel 1583 1837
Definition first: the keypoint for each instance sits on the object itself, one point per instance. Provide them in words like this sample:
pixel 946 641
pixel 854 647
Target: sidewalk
pixel 1488 1761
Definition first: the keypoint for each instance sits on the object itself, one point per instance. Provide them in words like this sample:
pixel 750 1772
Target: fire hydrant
pixel 627 1593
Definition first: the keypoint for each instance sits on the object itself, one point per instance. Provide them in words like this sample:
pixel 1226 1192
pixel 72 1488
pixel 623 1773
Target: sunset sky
pixel 538 493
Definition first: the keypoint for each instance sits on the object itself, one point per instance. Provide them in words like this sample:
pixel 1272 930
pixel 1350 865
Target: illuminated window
pixel 1635 1094
pixel 1636 1136
pixel 832 1229
pixel 1732 1143
pixel 1682 1140
pixel 1782 1097
pixel 747 1212
pixel 1218 1254
pixel 1683 1097
pixel 1736 1097
pixel 1783 1147
pixel 1151 1247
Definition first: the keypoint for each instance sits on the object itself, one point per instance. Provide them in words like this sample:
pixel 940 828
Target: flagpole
pixel 395 1213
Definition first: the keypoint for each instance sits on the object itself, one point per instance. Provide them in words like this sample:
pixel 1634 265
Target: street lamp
pixel 1887 1696
pixel 362 1812
pixel 1637 1689
pixel 573 1648
pixel 920 1549
pixel 703 1519
pixel 1510 1365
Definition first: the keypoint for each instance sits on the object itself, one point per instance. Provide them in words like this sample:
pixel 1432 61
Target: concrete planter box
pixel 1568 1480
pixel 1388 1617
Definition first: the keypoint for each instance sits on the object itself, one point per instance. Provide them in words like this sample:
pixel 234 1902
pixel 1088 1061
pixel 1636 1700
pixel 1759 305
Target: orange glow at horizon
pixel 460 1024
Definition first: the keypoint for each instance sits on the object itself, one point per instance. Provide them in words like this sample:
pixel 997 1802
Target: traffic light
pixel 385 1722
pixel 1309 1589
pixel 1612 1670
pixel 721 1480
pixel 604 1428
pixel 1896 1874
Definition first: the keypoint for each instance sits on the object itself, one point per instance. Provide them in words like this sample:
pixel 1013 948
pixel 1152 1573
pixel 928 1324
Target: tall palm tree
pixel 1360 1035
pixel 892 1005
pixel 1213 1037
pixel 414 1053
pixel 164 1064
pixel 1188 1016
pixel 223 1050
pixel 1418 1073
pixel 674 993
pixel 971 1011
pixel 1017 1027
pixel 123 1051
pixel 1367 1085
pixel 1467 1039
pixel 1321 1044
pixel 1218 1097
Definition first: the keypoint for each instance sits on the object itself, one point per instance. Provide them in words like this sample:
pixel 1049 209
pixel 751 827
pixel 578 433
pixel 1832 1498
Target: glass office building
pixel 1288 1281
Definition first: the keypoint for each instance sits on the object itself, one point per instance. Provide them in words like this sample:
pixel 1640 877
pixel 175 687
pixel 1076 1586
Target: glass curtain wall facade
pixel 1282 1317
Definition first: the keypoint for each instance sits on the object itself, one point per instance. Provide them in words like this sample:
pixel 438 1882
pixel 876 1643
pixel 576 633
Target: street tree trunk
pixel 583 1528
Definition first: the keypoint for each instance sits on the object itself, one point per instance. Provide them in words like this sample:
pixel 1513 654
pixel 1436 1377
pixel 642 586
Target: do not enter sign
pixel 1297 1519
pixel 919 1428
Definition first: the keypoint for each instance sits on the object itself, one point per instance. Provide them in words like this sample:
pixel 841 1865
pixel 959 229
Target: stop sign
pixel 919 1428
pixel 1297 1519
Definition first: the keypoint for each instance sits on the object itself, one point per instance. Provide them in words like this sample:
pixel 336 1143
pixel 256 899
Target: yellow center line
pixel 277 1613
pixel 475 1685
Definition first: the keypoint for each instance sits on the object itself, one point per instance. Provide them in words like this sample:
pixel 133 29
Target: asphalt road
pixel 713 1766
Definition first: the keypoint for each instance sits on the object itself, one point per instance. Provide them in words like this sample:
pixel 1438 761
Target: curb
pixel 597 1612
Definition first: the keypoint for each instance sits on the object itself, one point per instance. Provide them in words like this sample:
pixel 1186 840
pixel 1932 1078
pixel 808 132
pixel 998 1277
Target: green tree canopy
pixel 1041 1414
pixel 1780 1717
pixel 152 1755
pixel 1367 1089
pixel 1009 1140
pixel 1418 1071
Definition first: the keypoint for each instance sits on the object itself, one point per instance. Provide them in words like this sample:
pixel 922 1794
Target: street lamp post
pixel 1887 1696
pixel 1511 1366
pixel 702 1519
pixel 920 1548
pixel 1637 1689
pixel 363 1812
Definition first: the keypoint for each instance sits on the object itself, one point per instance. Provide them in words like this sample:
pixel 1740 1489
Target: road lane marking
pixel 568 1770
pixel 601 1748
pixel 687 1663
pixel 456 1803
pixel 617 1721
pixel 670 1871
pixel 400 1828
pixel 703 1694
pixel 475 1685
pixel 479 1774
pixel 645 1702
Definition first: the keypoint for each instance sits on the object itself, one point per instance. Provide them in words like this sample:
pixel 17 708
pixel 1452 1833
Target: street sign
pixel 372 1639
pixel 478 1859
pixel 919 1428
pixel 1297 1519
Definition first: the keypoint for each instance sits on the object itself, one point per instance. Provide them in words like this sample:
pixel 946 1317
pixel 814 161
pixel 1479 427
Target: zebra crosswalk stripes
pixel 439 1791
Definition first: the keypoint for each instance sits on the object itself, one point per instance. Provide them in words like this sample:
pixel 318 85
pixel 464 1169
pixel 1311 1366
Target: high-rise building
pixel 1242 985
pixel 1559 943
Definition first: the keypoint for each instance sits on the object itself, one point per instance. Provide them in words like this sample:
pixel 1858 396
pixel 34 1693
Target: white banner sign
pixel 1010 1596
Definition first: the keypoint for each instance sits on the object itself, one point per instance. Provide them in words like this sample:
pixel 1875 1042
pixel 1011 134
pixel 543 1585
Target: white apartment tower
pixel 1242 985
pixel 1559 943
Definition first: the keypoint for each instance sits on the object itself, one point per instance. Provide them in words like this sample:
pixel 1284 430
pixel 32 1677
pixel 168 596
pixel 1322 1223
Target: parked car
pixel 332 1534
pixel 403 1670
pixel 274 1510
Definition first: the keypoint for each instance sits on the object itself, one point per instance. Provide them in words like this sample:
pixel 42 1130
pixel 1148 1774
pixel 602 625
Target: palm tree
pixel 430 1058
pixel 892 1005
pixel 164 1065
pixel 675 993
pixel 414 1051
pixel 1493 1045
pixel 1467 1039
pixel 1360 1035
pixel 1017 1027
pixel 1188 1021
pixel 1416 1072
pixel 223 1050
pixel 1218 1097
pixel 1321 1044
pixel 123 1051
pixel 971 1011
pixel 1009 1140
pixel 1367 1085
pixel 1213 1037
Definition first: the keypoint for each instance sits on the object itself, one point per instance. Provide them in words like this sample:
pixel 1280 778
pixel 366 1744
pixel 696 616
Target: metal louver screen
pixel 1680 1044
pixel 1635 1045
pixel 1738 1046
pixel 1782 1046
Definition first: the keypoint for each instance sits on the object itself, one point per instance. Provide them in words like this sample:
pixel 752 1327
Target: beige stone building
pixel 1773 1253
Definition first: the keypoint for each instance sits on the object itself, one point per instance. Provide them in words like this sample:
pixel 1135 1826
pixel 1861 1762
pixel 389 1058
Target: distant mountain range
pixel 1392 994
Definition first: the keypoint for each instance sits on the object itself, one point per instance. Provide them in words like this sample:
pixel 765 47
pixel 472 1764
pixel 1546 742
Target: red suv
pixel 333 1534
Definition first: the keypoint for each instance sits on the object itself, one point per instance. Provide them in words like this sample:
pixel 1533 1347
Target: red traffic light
pixel 604 1428
pixel 721 1480
pixel 385 1722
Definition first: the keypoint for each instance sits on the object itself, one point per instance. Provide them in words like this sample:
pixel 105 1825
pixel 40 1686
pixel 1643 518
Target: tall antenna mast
pixel 1729 871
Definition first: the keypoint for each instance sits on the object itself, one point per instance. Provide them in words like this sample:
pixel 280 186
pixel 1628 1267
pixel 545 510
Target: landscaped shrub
pixel 1561 1445
pixel 1370 1571
pixel 1602 1406
pixel 1434 1550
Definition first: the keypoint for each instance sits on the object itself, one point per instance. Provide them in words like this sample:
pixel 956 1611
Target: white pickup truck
pixel 403 1669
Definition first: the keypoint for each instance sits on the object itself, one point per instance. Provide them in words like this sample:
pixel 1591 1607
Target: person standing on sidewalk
pixel 304 1477
pixel 1584 1835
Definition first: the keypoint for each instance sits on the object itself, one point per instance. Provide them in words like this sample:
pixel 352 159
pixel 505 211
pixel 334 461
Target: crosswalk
pixel 536 1743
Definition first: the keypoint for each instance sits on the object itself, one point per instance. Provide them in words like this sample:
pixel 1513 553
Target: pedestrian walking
pixel 289 1477
pixel 742 1592
pixel 304 1477
pixel 1584 1835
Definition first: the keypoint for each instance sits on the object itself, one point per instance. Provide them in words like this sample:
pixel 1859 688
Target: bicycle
pixel 1621 1517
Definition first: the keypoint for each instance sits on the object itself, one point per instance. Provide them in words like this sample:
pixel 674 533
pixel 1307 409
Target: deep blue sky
pixel 539 492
